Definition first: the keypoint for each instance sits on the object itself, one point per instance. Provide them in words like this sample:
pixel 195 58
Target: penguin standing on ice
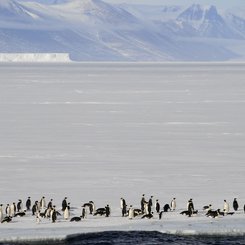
pixel 42 203
pixel 1 212
pixel 131 212
pixel 67 213
pixel 50 204
pixel 173 204
pixel 35 208
pixel 38 217
pixel 84 213
pixel 235 204
pixel 53 215
pixel 226 207
pixel 19 206
pixel 7 210
pixel 123 206
pixel 190 207
pixel 28 204
pixel 190 204
pixel 150 205
pixel 64 204
pixel 12 209
pixel 146 208
pixel 92 207
pixel 47 212
pixel 157 205
pixel 142 203
pixel 107 211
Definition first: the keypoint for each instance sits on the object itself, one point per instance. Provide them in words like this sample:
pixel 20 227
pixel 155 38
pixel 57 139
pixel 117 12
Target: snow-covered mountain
pixel 12 11
pixel 207 22
pixel 94 30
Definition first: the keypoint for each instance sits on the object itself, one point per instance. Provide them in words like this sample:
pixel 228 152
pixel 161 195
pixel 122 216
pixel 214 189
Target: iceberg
pixel 34 57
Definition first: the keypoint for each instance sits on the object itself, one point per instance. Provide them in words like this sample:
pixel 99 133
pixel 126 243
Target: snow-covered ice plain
pixel 102 131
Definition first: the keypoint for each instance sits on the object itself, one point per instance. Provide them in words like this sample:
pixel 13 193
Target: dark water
pixel 136 237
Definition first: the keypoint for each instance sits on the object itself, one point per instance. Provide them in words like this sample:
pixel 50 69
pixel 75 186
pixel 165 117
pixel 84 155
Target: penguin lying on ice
pixel 7 219
pixel 100 211
pixel 20 214
pixel 76 219
pixel 148 216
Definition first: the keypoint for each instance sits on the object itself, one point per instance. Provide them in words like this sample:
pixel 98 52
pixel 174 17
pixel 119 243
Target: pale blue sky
pixel 224 3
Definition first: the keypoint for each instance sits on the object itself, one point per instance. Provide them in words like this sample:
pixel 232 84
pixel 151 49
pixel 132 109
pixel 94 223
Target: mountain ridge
pixel 94 30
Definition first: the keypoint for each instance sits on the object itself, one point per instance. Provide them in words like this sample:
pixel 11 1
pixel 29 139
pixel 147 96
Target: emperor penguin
pixel 64 204
pixel 12 209
pixel 53 215
pixel 173 204
pixel 131 212
pixel 93 206
pixel 107 210
pixel 146 209
pixel 190 206
pixel 38 217
pixel 42 203
pixel 157 206
pixel 207 207
pixel 28 204
pixel 66 213
pixel 7 219
pixel 235 204
pixel 226 207
pixel 48 211
pixel 84 213
pixel 50 204
pixel 7 210
pixel 150 204
pixel 123 206
pixel 19 206
pixel 1 212
pixel 142 203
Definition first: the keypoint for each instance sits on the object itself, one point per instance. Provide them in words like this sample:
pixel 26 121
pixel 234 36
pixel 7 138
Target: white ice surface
pixel 101 131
